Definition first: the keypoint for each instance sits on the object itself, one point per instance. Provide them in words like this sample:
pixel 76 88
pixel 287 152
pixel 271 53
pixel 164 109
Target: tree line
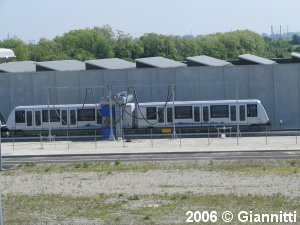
pixel 103 42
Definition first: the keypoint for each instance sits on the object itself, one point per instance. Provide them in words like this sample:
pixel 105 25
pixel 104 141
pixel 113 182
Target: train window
pixel 219 111
pixel 86 114
pixel 233 113
pixel 252 110
pixel 20 116
pixel 169 115
pixel 183 112
pixel 29 118
pixel 196 114
pixel 161 118
pixel 205 114
pixel 151 113
pixel 73 117
pixel 99 117
pixel 64 117
pixel 45 116
pixel 242 113
pixel 37 115
pixel 54 115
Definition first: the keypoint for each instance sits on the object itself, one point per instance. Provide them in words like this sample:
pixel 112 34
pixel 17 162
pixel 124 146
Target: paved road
pixel 236 155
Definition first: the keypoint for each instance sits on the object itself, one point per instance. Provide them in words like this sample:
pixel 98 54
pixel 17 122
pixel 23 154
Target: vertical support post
pixel 121 121
pixel 237 113
pixel 266 135
pixel 151 139
pixel 208 141
pixel 1 221
pixel 41 141
pixel 180 137
pixel 49 124
pixel 1 218
pixel 0 146
pixel 95 138
pixel 173 111
pixel 68 139
pixel 111 135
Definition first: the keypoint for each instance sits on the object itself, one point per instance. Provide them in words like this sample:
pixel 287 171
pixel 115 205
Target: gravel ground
pixel 151 182
pixel 161 181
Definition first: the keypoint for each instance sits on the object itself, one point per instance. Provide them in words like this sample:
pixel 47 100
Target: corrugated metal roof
pixel 17 67
pixel 111 64
pixel 63 65
pixel 295 55
pixel 6 54
pixel 256 59
pixel 157 62
pixel 207 61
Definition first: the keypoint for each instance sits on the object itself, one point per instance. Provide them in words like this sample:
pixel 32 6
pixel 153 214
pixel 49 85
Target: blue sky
pixel 35 19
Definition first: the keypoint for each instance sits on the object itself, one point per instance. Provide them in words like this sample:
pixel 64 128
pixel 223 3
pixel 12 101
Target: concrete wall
pixel 277 86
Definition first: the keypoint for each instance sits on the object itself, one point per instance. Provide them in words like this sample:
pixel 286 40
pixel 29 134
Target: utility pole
pixel 1 218
pixel 111 135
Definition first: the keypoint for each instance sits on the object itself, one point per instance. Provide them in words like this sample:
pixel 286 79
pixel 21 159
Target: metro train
pixel 139 116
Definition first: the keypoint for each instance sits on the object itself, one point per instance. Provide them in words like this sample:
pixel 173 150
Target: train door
pixel 169 116
pixel 68 118
pixel 197 117
pixel 29 119
pixel 232 117
pixel 205 114
pixel 37 118
pixel 64 118
pixel 252 114
pixel 242 114
pixel 161 116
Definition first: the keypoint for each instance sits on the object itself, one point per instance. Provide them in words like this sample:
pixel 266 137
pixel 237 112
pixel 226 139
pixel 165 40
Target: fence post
pixel 151 139
pixel 208 143
pixel 0 147
pixel 266 135
pixel 95 138
pixel 180 136
pixel 41 141
pixel 1 217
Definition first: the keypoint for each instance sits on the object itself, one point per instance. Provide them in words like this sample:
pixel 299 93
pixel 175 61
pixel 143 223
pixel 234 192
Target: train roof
pixel 55 106
pixel 203 102
pixel 62 106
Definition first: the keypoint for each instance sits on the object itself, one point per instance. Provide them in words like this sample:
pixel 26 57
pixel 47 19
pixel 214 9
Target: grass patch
pixel 110 209
pixel 249 167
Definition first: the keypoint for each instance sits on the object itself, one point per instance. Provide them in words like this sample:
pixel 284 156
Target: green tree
pixel 85 44
pixel 47 50
pixel 295 40
pixel 125 47
pixel 18 46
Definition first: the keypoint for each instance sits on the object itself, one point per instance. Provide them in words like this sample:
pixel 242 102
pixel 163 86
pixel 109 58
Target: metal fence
pixel 221 138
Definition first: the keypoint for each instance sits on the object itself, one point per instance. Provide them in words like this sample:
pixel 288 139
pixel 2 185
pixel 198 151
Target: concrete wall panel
pixel 91 84
pixel 261 86
pixel 4 94
pixel 21 89
pixel 187 84
pixel 212 83
pixel 140 80
pixel 236 76
pixel 286 94
pixel 67 91
pixel 41 81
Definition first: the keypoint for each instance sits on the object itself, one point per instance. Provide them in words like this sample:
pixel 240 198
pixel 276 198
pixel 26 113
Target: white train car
pixel 41 117
pixel 71 116
pixel 201 113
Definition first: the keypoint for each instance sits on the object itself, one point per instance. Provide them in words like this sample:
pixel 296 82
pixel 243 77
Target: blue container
pixel 105 111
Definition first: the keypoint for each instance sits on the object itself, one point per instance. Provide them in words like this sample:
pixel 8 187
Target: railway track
pixel 9 161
